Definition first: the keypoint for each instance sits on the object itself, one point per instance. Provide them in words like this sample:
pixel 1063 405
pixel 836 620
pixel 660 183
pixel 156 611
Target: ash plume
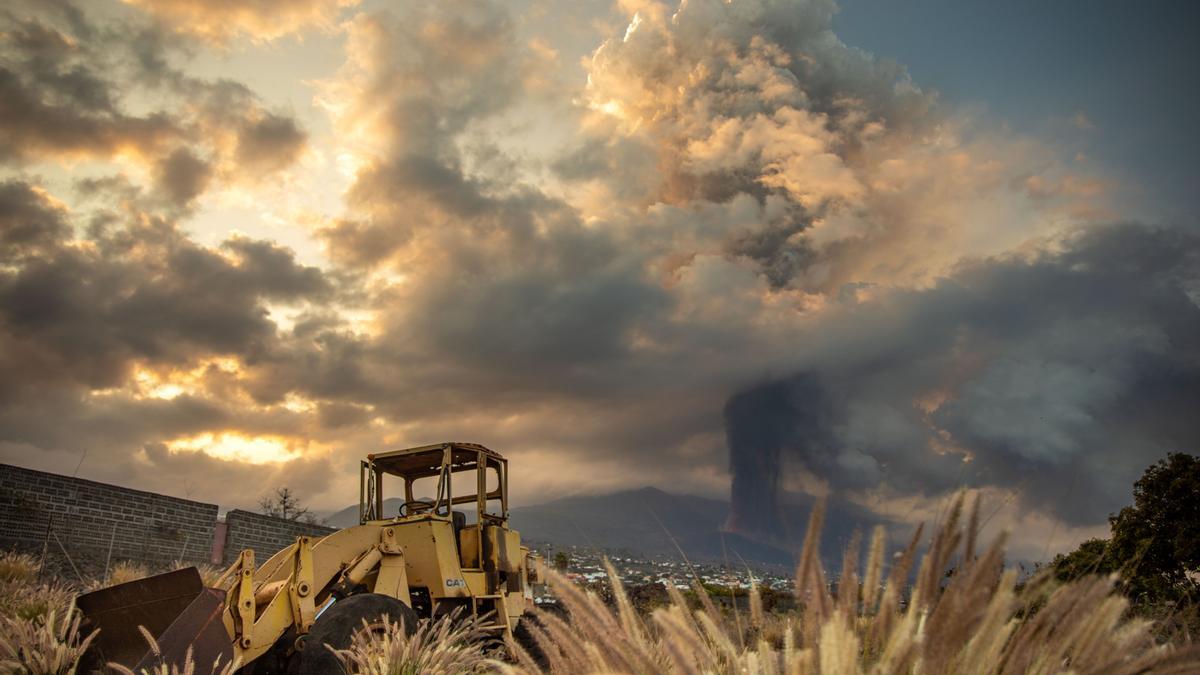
pixel 1056 379
pixel 760 424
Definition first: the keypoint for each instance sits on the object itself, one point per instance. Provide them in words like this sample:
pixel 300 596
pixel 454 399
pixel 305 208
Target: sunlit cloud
pixel 259 21
pixel 576 239
pixel 236 446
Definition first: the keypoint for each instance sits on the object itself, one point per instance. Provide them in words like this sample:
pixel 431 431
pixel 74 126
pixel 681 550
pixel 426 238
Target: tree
pixel 1089 558
pixel 1155 542
pixel 284 504
pixel 561 561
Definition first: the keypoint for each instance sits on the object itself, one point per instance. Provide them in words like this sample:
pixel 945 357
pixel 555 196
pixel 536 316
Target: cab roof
pixel 426 460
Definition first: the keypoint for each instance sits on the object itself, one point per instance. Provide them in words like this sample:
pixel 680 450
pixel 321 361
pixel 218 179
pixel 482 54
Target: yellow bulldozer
pixel 427 560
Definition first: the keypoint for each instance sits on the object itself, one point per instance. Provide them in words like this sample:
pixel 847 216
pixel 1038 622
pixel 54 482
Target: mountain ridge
pixel 651 521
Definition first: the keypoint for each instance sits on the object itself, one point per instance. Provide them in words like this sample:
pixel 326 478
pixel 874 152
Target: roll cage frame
pixel 443 460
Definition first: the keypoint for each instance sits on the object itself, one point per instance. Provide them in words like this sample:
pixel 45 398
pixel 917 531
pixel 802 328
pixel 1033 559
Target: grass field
pixel 964 614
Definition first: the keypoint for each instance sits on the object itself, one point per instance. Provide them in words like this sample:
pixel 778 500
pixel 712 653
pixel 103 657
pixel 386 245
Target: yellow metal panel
pixel 512 551
pixel 335 551
pixel 476 582
pixel 276 567
pixel 367 564
pixel 505 548
pixel 515 604
pixel 339 547
pixel 393 578
pixel 271 623
pixel 468 543
pixel 432 557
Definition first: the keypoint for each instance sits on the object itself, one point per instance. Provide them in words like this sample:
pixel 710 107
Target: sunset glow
pixel 240 448
pixel 748 250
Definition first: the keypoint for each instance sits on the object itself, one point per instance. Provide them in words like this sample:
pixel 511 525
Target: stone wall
pixel 77 522
pixel 264 534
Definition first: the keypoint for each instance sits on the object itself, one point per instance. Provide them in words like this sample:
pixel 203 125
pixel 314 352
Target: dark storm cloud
pixel 432 191
pixel 83 319
pixel 143 291
pixel 754 99
pixel 66 81
pixel 56 95
pixel 326 361
pixel 565 300
pixel 31 125
pixel 1062 376
pixel 339 415
pixel 116 439
pixel 29 222
pixel 776 249
pixel 360 242
pixel 183 176
pixel 744 199
pixel 109 425
pixel 271 271
pixel 504 281
pixel 417 82
pixel 270 143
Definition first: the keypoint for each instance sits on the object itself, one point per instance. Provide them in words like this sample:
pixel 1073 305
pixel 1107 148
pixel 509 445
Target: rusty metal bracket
pixel 300 587
pixel 244 589
pixel 387 542
pixel 392 579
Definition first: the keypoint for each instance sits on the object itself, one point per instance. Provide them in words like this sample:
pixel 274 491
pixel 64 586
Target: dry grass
pixel 126 571
pixel 30 601
pixel 17 567
pixel 39 627
pixel 188 668
pixel 975 622
pixel 122 572
pixel 21 596
pixel 444 646
pixel 41 645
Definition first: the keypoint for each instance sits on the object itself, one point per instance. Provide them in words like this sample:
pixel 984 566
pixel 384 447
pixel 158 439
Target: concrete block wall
pixel 264 534
pixel 77 521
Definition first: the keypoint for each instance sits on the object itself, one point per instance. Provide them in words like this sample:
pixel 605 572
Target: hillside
pixel 642 521
pixel 639 521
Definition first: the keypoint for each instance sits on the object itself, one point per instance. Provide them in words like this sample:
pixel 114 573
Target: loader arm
pixel 287 590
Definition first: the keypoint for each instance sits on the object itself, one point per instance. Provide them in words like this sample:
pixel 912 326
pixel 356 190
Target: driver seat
pixel 460 521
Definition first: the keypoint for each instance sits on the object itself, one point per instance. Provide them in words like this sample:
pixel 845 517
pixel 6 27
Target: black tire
pixel 337 625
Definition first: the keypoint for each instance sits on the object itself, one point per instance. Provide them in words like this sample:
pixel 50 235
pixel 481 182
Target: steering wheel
pixel 415 507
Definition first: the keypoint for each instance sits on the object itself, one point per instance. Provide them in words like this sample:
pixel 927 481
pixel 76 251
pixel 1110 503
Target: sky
pixel 1127 68
pixel 878 253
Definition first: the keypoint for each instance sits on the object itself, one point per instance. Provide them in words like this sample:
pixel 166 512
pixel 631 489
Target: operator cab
pixel 468 466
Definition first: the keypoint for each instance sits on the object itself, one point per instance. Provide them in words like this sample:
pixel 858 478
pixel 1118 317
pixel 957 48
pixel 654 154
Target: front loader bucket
pixel 174 607
pixel 199 628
